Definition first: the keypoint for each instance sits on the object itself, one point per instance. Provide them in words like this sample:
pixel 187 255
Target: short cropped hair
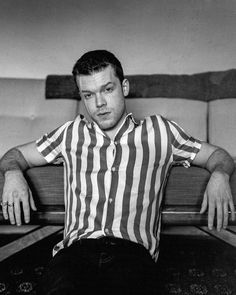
pixel 95 61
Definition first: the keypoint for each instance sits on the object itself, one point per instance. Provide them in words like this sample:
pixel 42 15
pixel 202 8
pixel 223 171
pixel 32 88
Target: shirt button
pixel 113 169
pixel 107 231
pixel 110 200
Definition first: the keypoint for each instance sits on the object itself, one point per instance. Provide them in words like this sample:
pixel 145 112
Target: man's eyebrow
pixel 102 87
pixel 86 91
pixel 105 85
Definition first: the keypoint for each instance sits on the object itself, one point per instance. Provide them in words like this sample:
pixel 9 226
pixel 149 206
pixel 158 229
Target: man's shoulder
pixel 78 119
pixel 156 122
pixel 69 124
pixel 155 118
pixel 79 122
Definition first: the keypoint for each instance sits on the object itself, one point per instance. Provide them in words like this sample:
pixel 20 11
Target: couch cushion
pixel 26 114
pixel 222 124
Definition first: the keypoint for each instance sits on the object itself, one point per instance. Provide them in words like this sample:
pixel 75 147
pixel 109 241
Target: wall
pixel 151 36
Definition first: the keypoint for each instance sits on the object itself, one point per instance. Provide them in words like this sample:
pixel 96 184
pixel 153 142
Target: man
pixel 115 169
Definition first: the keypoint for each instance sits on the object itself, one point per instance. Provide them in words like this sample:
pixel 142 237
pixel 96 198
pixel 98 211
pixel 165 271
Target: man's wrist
pixel 222 172
pixel 13 171
pixel 220 161
pixel 13 160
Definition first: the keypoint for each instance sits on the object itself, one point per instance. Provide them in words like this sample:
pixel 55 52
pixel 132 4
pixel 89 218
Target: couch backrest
pixel 187 113
pixel 222 124
pixel 203 104
pixel 25 114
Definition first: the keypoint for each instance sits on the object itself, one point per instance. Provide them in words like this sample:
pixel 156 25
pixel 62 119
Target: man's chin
pixel 106 125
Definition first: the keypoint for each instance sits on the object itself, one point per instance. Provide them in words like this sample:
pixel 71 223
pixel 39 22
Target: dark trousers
pixel 100 266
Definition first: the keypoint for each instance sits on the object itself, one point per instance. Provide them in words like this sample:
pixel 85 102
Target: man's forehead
pixel 96 79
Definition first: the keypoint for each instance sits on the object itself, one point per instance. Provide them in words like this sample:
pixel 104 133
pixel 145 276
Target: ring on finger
pixel 10 204
pixel 4 204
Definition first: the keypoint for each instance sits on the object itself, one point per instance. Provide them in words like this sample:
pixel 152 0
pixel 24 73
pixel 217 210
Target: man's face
pixel 104 97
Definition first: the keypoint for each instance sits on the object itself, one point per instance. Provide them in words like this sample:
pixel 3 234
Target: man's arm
pixel 217 197
pixel 16 193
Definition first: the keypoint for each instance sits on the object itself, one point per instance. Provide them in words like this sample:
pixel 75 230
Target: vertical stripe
pixel 67 173
pixel 114 186
pixel 101 176
pixel 138 153
pixel 166 153
pixel 120 193
pixel 90 188
pixel 74 154
pixel 81 187
pixel 141 186
pixel 128 186
pixel 154 141
pixel 95 198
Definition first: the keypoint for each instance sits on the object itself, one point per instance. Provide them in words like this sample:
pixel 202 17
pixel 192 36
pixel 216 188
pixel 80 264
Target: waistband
pixel 106 241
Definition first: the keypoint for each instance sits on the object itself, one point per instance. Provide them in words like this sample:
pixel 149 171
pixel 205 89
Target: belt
pixel 110 242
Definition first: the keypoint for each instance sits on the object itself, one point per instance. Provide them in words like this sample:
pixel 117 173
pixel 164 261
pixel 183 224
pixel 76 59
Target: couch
pixel 204 104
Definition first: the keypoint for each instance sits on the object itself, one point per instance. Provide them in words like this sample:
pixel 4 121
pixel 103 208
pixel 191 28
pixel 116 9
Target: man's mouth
pixel 101 114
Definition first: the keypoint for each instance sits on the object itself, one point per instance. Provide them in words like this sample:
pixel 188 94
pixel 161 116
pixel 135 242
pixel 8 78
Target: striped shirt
pixel 114 187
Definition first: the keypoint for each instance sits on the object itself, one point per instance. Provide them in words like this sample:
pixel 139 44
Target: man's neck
pixel 112 132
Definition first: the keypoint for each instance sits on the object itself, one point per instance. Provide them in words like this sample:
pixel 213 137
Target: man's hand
pixel 218 199
pixel 16 196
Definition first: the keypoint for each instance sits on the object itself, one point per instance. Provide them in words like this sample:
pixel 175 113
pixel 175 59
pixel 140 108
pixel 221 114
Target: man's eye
pixel 87 96
pixel 109 89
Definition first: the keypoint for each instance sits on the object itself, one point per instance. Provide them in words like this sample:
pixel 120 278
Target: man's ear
pixel 125 87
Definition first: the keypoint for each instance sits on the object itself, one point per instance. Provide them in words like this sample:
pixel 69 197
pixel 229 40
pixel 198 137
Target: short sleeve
pixel 184 146
pixel 50 144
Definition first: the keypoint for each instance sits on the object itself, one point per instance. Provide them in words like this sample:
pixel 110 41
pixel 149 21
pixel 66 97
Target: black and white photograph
pixel 117 147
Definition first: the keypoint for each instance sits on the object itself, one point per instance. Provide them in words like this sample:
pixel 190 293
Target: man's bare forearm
pixel 13 160
pixel 220 161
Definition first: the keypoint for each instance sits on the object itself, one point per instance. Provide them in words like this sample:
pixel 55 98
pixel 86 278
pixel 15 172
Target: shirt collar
pixel 135 121
pixel 128 124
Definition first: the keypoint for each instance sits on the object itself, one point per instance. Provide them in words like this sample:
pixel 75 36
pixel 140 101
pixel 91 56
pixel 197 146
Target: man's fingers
pixel 26 210
pixel 232 209
pixel 10 208
pixel 211 215
pixel 204 204
pixel 219 216
pixel 4 209
pixel 32 203
pixel 17 211
pixel 226 214
pixel 16 208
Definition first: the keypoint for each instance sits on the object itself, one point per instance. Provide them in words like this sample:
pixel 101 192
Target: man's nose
pixel 100 100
